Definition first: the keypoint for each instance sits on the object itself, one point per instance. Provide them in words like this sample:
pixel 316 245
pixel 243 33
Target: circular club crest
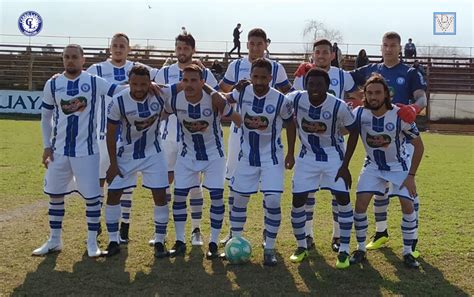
pixel 389 126
pixel 270 108
pixel 85 87
pixel 30 23
pixel 207 112
pixel 154 106
pixel 400 80
pixel 326 115
pixel 334 82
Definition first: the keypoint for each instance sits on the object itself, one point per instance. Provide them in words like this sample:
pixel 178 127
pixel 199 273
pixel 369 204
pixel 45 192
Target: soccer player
pixel 384 135
pixel 138 113
pixel 201 152
pixel 240 70
pixel 114 70
pixel 263 110
pixel 185 47
pixel 319 118
pixel 71 154
pixel 341 82
pixel 407 90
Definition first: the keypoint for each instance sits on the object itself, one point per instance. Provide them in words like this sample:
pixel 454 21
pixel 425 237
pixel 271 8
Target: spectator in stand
pixel 338 56
pixel 361 59
pixel 236 35
pixel 217 70
pixel 410 49
pixel 419 67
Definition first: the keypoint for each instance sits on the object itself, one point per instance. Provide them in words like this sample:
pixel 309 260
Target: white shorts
pixel 310 176
pixel 187 173
pixel 372 180
pixel 153 170
pixel 104 158
pixel 233 150
pixel 247 178
pixel 73 174
pixel 171 153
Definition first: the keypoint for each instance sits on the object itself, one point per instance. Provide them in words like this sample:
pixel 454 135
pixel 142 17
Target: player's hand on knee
pixel 410 184
pixel 289 161
pixel 345 174
pixel 47 156
pixel 112 172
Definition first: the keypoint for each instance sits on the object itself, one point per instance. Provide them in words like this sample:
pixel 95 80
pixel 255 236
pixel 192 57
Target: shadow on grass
pixel 428 280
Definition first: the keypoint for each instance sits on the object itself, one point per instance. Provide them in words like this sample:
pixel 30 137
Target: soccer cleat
pixel 299 255
pixel 124 228
pixel 48 247
pixel 178 249
pixel 226 239
pixel 196 237
pixel 410 261
pixel 160 250
pixel 357 257
pixel 112 249
pixel 151 242
pixel 212 252
pixel 269 257
pixel 310 242
pixel 335 244
pixel 342 260
pixel 93 250
pixel 378 241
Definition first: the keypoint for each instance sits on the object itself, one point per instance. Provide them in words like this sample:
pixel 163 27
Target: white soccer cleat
pixel 48 247
pixel 151 242
pixel 196 237
pixel 93 250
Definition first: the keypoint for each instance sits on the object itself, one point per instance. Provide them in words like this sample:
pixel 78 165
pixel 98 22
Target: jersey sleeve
pixel 346 117
pixel 359 75
pixel 416 81
pixel 92 69
pixel 229 76
pixel 210 79
pixel 349 84
pixel 357 114
pixel 228 109
pixel 286 110
pixel 282 78
pixel 106 88
pixel 113 112
pixel 168 94
pixel 160 77
pixel 235 95
pixel 410 130
pixel 298 83
pixel 48 99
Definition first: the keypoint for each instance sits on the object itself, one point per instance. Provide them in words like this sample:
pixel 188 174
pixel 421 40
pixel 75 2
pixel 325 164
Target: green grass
pixel 445 181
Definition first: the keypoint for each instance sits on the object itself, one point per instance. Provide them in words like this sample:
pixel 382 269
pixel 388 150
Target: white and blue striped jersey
pixel 113 74
pixel 76 104
pixel 140 121
pixel 262 122
pixel 319 127
pixel 385 138
pixel 201 131
pixel 341 82
pixel 170 75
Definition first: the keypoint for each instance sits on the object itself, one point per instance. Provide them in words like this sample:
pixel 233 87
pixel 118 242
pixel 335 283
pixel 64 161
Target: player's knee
pixel 272 200
pixel 159 197
pixel 406 205
pixel 343 198
pixel 113 197
pixel 299 200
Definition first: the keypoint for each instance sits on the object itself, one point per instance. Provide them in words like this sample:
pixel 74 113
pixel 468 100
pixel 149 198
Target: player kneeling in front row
pixel 320 118
pixel 138 113
pixel 384 136
pixel 201 151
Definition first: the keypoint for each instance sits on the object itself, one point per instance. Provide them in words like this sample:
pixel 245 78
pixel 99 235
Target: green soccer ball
pixel 238 250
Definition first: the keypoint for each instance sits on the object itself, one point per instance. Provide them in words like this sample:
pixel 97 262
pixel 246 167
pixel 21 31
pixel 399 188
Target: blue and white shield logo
pixel 85 88
pixel 326 115
pixel 207 112
pixel 270 108
pixel 154 106
pixel 389 126
pixel 30 23
pixel 400 80
pixel 334 82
